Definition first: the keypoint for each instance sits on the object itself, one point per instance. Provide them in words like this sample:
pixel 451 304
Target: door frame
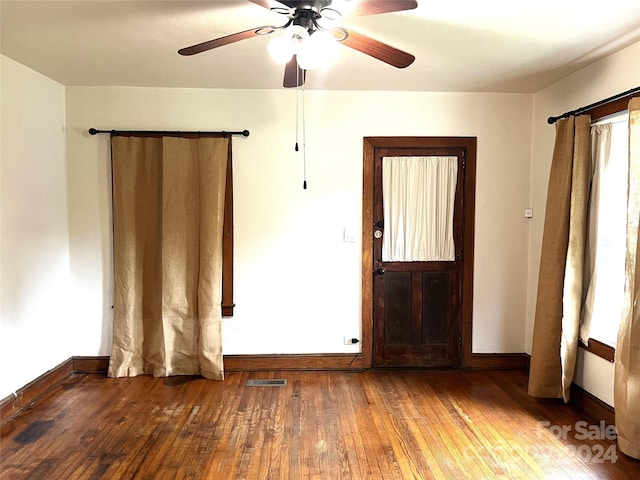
pixel 370 145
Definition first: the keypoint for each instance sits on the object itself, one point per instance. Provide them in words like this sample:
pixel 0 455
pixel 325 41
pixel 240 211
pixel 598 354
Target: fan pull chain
pixel 297 114
pixel 304 145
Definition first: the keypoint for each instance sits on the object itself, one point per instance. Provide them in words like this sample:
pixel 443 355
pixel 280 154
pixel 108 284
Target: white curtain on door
pixel 419 198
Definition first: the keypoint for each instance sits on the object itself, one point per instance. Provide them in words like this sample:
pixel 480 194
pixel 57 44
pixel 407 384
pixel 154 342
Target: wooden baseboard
pixel 34 391
pixel 337 361
pixel 91 365
pixel 506 361
pixel 236 363
pixel 591 405
pixel 320 361
pixel 233 363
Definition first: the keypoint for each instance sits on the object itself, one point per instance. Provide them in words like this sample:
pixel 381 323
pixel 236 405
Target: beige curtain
pixel 557 318
pixel 607 221
pixel 600 154
pixel 627 361
pixel 419 199
pixel 168 212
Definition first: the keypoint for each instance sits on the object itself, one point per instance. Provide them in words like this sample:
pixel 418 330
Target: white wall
pixel 35 322
pixel 614 74
pixel 297 284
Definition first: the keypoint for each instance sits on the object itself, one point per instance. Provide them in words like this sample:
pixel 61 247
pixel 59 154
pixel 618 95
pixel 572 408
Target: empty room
pixel 328 239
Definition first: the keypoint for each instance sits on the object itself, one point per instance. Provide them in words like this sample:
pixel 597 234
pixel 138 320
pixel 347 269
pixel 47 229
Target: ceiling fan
pixel 307 17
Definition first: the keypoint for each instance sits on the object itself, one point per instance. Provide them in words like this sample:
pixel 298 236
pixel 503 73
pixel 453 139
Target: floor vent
pixel 266 383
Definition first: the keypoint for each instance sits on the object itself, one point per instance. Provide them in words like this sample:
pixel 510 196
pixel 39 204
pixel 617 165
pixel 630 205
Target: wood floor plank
pixel 321 425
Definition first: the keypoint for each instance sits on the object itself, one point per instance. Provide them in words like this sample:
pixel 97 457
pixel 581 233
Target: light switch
pixel 349 236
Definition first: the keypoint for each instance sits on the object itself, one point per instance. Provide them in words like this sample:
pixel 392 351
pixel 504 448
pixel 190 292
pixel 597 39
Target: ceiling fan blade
pixel 379 50
pixel 219 42
pixel 268 4
pixel 294 76
pixel 374 7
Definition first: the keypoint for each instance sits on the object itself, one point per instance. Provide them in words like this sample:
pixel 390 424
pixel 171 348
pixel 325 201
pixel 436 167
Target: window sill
pixel 600 349
pixel 227 310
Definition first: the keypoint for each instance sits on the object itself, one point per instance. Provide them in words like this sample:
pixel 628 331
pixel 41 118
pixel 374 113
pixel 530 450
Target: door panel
pixel 416 311
pixel 397 321
pixel 435 311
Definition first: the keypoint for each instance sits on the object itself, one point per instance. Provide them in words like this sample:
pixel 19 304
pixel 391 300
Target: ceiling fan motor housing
pixel 306 18
pixel 316 5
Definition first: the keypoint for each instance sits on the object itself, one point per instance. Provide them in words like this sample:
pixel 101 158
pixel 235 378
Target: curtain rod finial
pixel 92 131
pixel 245 133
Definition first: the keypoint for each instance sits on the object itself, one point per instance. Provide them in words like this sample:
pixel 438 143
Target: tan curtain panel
pixel 627 361
pixel 557 318
pixel 168 213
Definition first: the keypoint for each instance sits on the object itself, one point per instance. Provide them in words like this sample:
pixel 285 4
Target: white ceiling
pixel 460 46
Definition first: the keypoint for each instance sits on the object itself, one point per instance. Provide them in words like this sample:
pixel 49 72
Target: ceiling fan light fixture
pixel 281 49
pixel 298 36
pixel 290 43
pixel 319 51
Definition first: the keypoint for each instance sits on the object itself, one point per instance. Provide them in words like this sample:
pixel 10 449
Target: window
pixel 604 273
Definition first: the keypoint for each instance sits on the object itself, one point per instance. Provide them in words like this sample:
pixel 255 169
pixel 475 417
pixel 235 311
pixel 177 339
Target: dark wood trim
pixel 337 361
pixel 227 241
pixel 469 242
pixel 33 391
pixel 506 361
pixel 91 365
pixel 600 349
pixel 331 361
pixel 609 108
pixel 591 405
pixel 367 252
pixel 370 144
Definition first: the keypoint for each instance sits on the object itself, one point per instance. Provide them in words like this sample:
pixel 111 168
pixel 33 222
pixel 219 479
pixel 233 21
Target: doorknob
pixel 380 271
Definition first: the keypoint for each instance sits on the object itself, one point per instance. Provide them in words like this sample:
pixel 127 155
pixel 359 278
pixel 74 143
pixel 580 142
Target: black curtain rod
pixel 94 131
pixel 578 111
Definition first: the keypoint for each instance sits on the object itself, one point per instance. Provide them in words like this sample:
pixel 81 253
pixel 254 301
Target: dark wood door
pixel 417 304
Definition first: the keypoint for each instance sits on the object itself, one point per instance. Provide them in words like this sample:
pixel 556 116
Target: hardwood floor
pixel 321 425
